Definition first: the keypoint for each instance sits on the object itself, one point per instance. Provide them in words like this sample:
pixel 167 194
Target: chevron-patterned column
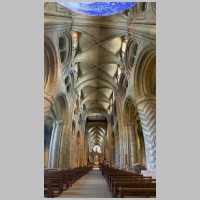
pixel 146 107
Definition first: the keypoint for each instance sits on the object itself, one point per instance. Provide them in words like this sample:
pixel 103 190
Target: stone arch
pixel 145 73
pixel 59 109
pixel 130 54
pixel 145 99
pixel 136 144
pixel 63 136
pixel 51 68
pixel 51 74
pixel 65 49
pixel 96 110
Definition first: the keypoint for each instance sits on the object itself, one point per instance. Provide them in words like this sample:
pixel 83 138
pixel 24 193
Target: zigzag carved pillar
pixel 146 107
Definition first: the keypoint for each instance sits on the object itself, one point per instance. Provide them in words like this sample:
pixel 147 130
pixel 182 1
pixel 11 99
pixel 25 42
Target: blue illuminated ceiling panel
pixel 98 8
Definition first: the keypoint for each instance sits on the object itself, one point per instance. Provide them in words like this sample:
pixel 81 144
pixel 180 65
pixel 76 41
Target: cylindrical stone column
pixel 55 143
pixel 63 147
pixel 109 145
pixel 117 151
pixel 131 143
pixel 126 146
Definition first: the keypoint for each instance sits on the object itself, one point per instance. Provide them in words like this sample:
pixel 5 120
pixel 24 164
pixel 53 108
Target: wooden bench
pixel 130 178
pixel 48 190
pixel 107 174
pixel 55 182
pixel 66 179
pixel 136 184
pixel 56 186
pixel 137 192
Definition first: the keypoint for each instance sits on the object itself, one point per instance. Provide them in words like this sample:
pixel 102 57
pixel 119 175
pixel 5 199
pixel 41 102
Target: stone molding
pixel 143 99
pixel 60 122
pixel 49 97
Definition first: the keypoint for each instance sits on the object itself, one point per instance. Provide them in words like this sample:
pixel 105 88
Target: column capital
pixel 142 99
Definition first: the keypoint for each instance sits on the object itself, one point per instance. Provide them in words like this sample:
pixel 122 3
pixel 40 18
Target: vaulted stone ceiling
pixel 98 60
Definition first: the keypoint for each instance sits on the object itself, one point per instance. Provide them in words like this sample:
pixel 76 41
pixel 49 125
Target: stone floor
pixel 92 185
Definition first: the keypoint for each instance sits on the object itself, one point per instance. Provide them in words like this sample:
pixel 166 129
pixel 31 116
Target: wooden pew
pixel 65 179
pixel 114 173
pixel 130 178
pixel 133 184
pixel 48 190
pixel 137 192
pixel 56 186
pixel 57 181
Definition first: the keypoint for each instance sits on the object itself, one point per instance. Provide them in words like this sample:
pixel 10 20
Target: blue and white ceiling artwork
pixel 98 8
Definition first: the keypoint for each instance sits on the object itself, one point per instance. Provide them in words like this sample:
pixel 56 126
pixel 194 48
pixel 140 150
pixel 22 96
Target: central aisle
pixel 91 185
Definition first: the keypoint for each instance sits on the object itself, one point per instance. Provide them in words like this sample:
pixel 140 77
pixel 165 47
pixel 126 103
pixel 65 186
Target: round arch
pixel 96 110
pixel 51 66
pixel 145 73
pixel 136 144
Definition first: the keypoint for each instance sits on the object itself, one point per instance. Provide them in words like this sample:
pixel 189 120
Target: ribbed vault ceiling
pixel 98 59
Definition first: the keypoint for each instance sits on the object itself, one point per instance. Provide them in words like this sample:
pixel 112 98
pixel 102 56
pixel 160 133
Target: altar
pixel 95 158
